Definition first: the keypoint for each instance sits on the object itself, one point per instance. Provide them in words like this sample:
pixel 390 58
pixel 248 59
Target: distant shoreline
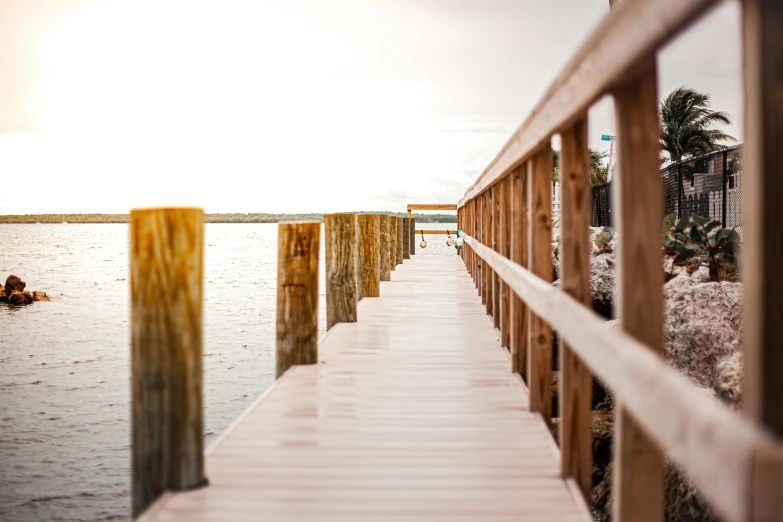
pixel 210 218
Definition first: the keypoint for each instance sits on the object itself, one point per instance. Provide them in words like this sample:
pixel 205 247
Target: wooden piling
pixel 400 239
pixel 406 239
pixel 392 250
pixel 383 247
pixel 412 234
pixel 341 277
pixel 298 244
pixel 368 262
pixel 167 419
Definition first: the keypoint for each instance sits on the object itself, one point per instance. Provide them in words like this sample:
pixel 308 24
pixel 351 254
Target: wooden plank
pixel 496 195
pixel 298 244
pixel 762 190
pixel 341 253
pixel 693 427
pixel 368 257
pixel 638 463
pixel 504 214
pixel 487 237
pixel 576 386
pixel 539 376
pixel 615 46
pixel 432 206
pixel 383 247
pixel 519 226
pixel 398 422
pixel 167 414
pixel 436 232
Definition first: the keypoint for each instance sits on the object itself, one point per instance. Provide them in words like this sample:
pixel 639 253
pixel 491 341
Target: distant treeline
pixel 211 218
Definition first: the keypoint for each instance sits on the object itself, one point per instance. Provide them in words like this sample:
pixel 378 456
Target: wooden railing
pixel 735 459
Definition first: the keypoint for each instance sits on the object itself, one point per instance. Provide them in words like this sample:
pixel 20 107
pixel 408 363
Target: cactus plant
pixel 697 240
pixel 603 241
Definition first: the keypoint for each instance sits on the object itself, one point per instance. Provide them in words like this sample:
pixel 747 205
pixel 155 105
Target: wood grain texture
pixel 540 263
pixel 298 245
pixel 519 234
pixel 576 380
pixel 638 463
pixel 406 239
pixel 400 239
pixel 341 255
pixel 433 206
pixel 614 47
pixel 392 250
pixel 412 235
pixel 692 426
pixel 368 260
pixel 398 422
pixel 762 192
pixel 496 196
pixel 487 239
pixel 167 421
pixel 504 214
pixel 383 247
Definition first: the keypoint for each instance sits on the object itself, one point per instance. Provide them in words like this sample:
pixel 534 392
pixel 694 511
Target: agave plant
pixel 603 241
pixel 697 241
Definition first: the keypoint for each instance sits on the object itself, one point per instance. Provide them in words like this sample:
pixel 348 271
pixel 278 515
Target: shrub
pixel 697 240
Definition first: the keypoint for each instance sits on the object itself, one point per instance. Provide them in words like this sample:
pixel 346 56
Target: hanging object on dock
pixel 423 243
pixel 449 239
pixel 459 241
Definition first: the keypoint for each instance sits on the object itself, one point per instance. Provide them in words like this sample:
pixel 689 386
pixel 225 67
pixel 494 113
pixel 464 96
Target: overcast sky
pixel 292 106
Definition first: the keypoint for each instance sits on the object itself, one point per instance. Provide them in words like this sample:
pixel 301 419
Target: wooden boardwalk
pixel 411 414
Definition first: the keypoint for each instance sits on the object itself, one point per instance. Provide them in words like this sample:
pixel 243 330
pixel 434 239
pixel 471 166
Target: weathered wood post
pixel 167 420
pixel 392 250
pixel 383 247
pixel 518 254
pixel 341 277
pixel 369 261
pixel 406 238
pixel 412 235
pixel 298 244
pixel 400 239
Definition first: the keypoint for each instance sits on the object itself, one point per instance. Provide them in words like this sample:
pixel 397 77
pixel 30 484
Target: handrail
pixel 693 427
pixel 631 32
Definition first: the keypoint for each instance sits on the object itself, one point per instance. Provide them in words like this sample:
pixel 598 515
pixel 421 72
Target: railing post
pixel 762 192
pixel 638 463
pixel 368 257
pixel 486 217
pixel 519 235
pixel 400 239
pixel 576 383
pixel 341 277
pixel 503 248
pixel 167 251
pixel 540 263
pixel 383 247
pixel 298 245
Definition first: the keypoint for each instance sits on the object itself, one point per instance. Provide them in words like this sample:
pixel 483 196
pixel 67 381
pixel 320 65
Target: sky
pixel 293 105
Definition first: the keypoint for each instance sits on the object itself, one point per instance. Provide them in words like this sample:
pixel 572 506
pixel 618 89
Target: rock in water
pixel 3 296
pixel 20 298
pixel 14 284
pixel 40 296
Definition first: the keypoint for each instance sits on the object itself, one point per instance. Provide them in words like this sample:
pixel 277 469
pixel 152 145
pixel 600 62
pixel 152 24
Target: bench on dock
pixel 430 396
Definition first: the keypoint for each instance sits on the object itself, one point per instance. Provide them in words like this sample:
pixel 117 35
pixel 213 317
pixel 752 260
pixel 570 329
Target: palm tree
pixel 686 120
pixel 598 171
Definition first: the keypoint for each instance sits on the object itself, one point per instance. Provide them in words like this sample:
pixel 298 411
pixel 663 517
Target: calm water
pixel 64 365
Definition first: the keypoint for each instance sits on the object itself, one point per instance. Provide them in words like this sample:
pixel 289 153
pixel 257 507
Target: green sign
pixel 606 137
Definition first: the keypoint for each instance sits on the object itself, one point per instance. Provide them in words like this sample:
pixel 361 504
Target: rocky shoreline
pixel 14 293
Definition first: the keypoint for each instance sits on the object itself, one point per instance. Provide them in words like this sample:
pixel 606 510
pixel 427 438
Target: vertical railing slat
pixel 638 463
pixel 576 386
pixel 519 236
pixel 540 264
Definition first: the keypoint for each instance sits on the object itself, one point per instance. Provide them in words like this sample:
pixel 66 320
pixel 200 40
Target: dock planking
pixel 412 413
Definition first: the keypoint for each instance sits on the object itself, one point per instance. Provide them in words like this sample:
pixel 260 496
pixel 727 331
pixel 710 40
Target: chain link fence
pixel 709 185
